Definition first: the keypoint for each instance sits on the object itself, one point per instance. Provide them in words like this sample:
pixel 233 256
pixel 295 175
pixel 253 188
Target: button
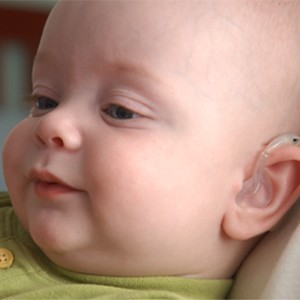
pixel 6 258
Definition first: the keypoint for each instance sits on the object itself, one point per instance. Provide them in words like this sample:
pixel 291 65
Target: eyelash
pixel 41 104
pixel 48 103
pixel 120 112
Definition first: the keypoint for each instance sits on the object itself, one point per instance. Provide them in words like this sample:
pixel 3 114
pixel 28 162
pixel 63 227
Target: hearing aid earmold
pixel 257 191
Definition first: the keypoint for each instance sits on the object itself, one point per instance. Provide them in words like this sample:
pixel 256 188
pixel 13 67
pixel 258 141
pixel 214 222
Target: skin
pixel 149 190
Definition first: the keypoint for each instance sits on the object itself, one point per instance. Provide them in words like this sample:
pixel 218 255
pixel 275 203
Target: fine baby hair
pixel 257 191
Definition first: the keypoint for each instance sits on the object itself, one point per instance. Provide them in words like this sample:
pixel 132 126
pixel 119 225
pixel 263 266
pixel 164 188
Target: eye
pixel 41 105
pixel 43 102
pixel 120 112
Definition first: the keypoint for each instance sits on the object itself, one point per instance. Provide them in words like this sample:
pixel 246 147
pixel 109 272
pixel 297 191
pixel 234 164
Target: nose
pixel 58 130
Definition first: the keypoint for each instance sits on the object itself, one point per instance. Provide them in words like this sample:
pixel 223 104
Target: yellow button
pixel 6 258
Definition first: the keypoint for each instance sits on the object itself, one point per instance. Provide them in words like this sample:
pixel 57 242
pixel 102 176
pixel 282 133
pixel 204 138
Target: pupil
pixel 122 113
pixel 45 103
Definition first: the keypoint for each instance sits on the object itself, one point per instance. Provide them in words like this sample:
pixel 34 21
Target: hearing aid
pixel 257 191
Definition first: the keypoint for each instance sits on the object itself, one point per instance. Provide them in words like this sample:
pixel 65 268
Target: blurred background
pixel 21 25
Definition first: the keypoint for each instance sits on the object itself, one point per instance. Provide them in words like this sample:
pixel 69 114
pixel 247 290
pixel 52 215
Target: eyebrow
pixel 138 69
pixel 114 67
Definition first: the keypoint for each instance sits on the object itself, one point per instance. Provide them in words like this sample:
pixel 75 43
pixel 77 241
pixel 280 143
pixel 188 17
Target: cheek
pixel 127 169
pixel 156 204
pixel 147 182
pixel 17 145
pixel 15 152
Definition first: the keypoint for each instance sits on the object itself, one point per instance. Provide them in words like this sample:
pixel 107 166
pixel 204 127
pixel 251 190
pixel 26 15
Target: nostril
pixel 58 141
pixel 59 132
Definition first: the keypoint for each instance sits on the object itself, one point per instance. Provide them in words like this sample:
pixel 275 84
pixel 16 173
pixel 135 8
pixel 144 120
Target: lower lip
pixel 51 190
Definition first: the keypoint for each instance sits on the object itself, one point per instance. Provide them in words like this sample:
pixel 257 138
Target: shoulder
pixel 10 227
pixel 4 199
pixel 6 213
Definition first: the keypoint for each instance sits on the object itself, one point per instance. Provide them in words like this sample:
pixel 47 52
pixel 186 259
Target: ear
pixel 281 174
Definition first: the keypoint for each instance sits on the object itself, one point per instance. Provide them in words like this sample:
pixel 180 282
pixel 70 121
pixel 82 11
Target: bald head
pixel 236 52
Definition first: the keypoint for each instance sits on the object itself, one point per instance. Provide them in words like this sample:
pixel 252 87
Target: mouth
pixel 49 186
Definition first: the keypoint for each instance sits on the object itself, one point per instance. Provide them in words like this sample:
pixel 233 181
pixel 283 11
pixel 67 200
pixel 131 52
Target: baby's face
pixel 130 156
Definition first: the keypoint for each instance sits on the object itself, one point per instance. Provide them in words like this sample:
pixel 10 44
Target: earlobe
pixel 269 193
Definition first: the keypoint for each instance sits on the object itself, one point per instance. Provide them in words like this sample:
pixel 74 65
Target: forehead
pixel 128 23
pixel 184 44
pixel 203 41
pixel 151 31
pixel 149 14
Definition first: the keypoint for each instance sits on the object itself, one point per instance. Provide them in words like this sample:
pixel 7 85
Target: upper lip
pixel 42 175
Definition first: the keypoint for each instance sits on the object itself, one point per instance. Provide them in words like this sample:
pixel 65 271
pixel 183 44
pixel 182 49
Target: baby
pixel 148 166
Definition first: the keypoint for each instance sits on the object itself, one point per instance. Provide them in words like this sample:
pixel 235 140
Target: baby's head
pixel 148 119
